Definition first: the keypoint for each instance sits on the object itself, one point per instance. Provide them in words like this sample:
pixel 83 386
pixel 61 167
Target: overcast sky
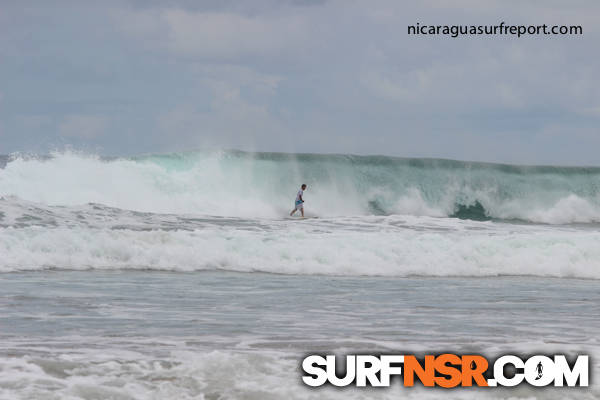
pixel 129 77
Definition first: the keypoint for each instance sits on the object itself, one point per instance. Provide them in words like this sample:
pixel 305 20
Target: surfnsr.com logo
pixel 445 370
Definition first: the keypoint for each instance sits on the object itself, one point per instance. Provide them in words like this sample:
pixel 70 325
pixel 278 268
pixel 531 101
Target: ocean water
pixel 181 276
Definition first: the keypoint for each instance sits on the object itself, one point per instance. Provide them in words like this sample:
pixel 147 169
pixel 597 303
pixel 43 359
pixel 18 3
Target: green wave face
pixel 386 185
pixel 235 183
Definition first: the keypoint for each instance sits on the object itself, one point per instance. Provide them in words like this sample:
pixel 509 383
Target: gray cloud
pixel 301 76
pixel 82 126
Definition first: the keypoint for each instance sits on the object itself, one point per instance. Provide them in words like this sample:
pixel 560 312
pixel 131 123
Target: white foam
pixel 380 246
pixel 187 374
pixel 210 185
pixel 226 184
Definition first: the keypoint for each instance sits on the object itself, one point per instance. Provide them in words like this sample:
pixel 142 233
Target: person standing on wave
pixel 299 204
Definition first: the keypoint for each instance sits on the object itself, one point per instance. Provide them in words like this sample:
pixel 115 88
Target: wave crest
pixel 239 184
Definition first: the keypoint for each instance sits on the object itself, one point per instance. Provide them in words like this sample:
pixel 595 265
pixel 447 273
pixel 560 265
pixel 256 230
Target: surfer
pixel 299 204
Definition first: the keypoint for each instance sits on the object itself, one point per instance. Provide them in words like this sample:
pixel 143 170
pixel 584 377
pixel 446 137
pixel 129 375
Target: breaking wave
pixel 263 185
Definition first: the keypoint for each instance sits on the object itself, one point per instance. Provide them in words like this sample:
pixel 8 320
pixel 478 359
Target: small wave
pixel 379 246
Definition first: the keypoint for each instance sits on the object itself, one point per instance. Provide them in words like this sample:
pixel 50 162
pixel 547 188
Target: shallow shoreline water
pixel 179 276
pixel 166 334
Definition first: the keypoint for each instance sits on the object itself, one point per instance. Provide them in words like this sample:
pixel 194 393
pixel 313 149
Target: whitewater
pixel 227 210
pixel 259 185
pixel 182 276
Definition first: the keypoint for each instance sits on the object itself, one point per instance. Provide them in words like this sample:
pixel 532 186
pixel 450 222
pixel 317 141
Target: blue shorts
pixel 299 205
